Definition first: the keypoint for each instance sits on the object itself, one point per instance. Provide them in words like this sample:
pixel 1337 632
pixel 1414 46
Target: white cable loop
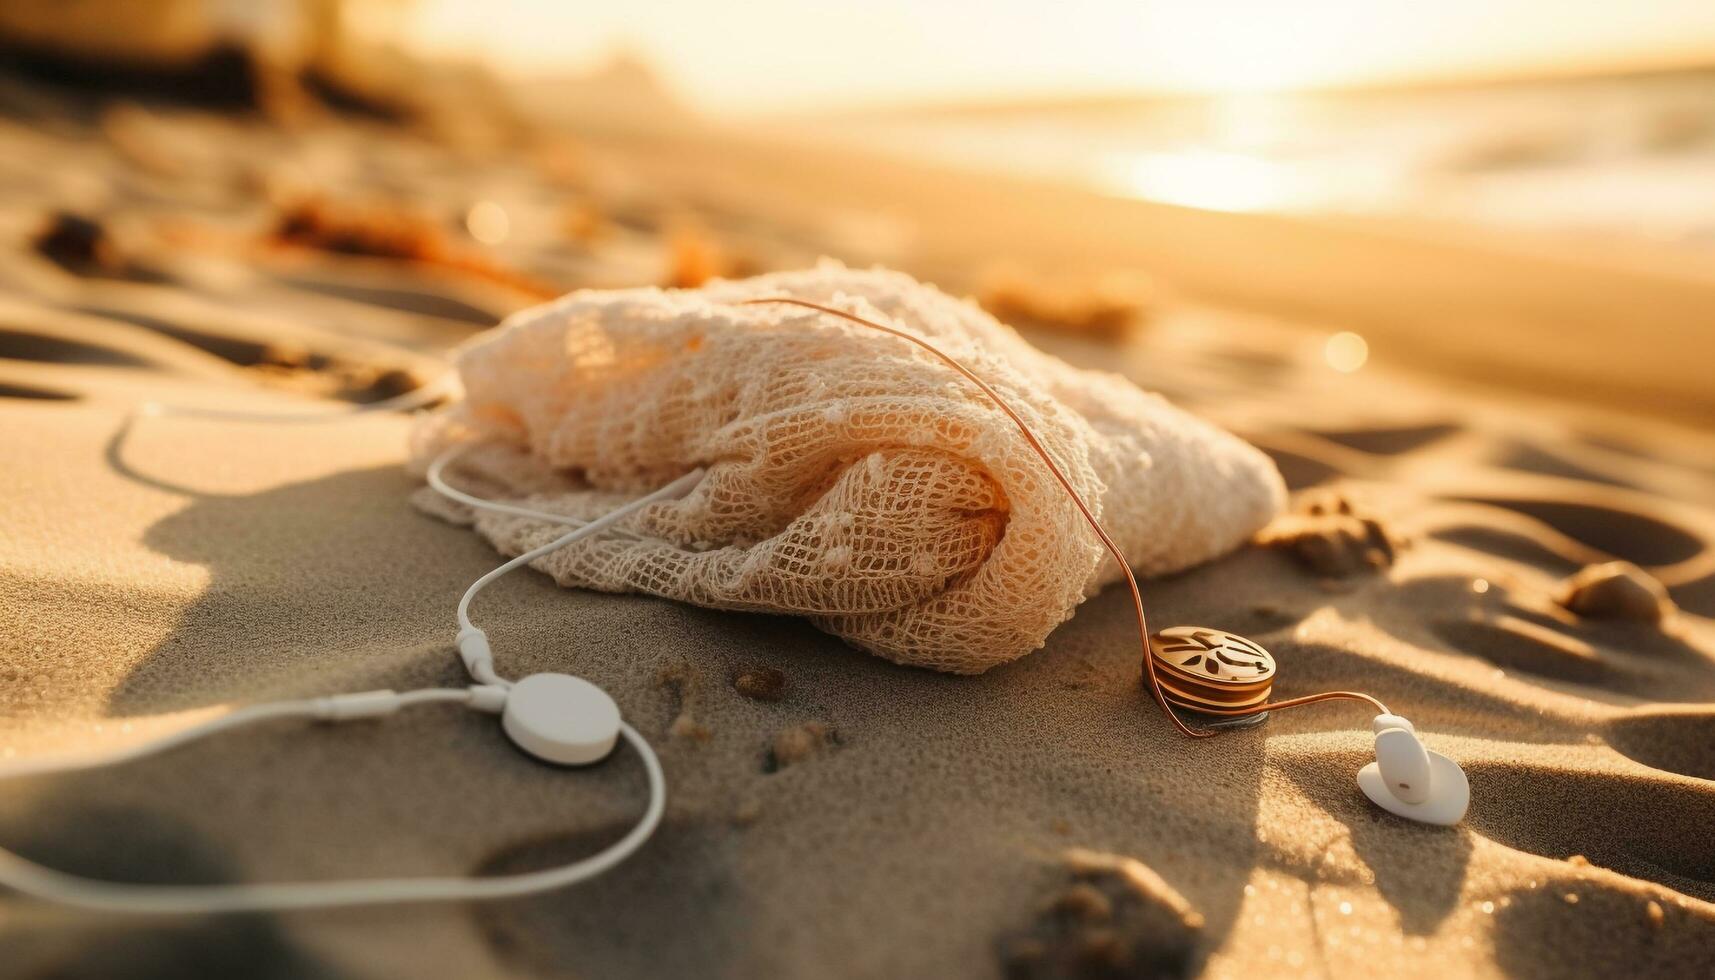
pixel 29 878
pixel 324 709
pixel 678 488
pixel 445 384
pixel 437 480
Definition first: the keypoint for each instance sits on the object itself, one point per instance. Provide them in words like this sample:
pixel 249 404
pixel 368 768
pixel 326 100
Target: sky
pixel 762 56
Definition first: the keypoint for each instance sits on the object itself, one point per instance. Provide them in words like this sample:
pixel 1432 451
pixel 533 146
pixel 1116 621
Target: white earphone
pixel 1409 780
pixel 557 718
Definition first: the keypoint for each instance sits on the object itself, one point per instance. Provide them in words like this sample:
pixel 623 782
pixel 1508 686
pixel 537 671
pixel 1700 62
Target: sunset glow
pixel 731 57
pixel 1209 179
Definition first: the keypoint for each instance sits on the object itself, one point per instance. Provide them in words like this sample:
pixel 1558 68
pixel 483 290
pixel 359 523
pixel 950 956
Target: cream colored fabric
pixel 852 478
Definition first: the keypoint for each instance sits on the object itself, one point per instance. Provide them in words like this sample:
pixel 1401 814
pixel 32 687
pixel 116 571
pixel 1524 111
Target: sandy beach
pixel 832 814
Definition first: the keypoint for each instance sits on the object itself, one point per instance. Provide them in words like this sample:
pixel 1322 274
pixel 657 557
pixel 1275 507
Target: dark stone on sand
pixel 79 244
pixel 1115 918
pixel 1616 590
pixel 760 683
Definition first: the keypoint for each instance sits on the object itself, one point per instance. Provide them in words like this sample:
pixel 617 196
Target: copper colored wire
pixel 1089 517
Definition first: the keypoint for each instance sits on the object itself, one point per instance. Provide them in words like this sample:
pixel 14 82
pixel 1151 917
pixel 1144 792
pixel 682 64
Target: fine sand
pixel 830 814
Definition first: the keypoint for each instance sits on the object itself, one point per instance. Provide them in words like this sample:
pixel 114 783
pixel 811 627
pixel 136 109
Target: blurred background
pixel 1590 119
pixel 1517 193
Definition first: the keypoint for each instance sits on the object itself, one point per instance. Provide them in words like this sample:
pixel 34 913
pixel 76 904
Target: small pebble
pixel 760 683
pixel 799 743
pixel 747 813
pixel 1616 590
pixel 680 682
pixel 686 726
pixel 78 244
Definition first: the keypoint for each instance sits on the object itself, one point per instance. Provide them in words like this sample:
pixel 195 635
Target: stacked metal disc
pixel 1210 670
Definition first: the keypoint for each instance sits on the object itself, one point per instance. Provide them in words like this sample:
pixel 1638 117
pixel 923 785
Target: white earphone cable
pixel 27 877
pixel 678 488
pixel 473 642
pixel 425 394
pixel 436 477
pixel 338 707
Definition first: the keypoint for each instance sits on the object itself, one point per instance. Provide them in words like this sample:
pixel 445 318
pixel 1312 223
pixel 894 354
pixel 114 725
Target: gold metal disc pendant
pixel 1210 670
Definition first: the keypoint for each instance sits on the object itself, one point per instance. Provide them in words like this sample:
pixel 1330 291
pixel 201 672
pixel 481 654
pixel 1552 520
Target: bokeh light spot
pixel 1346 352
pixel 487 223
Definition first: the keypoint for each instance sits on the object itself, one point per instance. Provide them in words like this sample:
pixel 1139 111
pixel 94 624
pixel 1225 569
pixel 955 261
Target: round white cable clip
pixel 561 719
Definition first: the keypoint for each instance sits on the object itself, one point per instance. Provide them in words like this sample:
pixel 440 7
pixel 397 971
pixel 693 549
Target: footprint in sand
pixel 1677 740
pixel 1516 644
pixel 1512 545
pixel 1619 658
pixel 1634 825
pixel 1638 538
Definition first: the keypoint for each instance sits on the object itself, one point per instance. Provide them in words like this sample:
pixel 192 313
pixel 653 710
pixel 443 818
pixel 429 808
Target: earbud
pixel 1409 780
pixel 1404 764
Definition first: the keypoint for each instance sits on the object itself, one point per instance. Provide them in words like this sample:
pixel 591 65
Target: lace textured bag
pixel 852 477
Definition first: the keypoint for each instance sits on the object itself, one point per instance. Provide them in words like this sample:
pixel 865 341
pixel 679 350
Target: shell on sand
pixel 852 478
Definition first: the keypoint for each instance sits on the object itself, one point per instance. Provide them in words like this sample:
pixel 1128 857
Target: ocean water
pixel 1628 158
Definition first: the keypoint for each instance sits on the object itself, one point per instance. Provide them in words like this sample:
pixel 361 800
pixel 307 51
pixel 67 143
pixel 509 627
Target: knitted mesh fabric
pixel 852 477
